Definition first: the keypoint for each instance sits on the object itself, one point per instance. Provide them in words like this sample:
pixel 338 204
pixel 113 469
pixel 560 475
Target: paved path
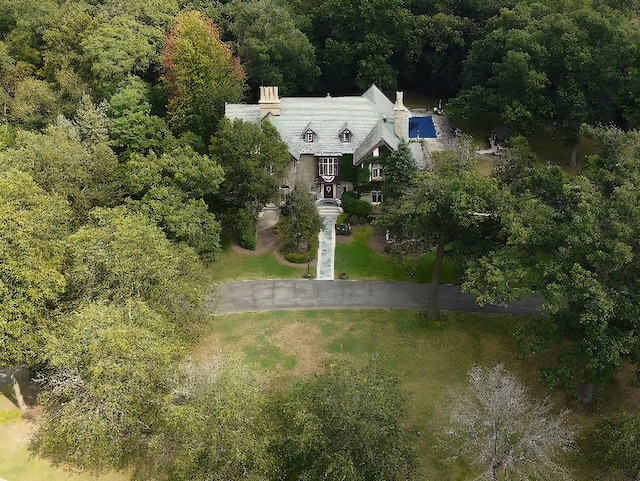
pixel 326 248
pixel 300 294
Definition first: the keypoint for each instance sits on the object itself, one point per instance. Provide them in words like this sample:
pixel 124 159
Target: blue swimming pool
pixel 421 128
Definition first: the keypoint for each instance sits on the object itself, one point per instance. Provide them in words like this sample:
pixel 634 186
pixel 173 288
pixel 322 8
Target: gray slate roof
pixel 369 118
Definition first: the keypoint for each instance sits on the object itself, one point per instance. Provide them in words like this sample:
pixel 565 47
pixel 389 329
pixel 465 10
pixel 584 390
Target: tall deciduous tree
pixel 62 161
pixel 202 75
pixel 117 49
pixel 299 223
pixel 499 428
pixel 171 189
pixel 272 48
pixel 105 394
pixel 255 161
pixel 33 227
pixel 119 255
pixel 183 219
pixel 216 425
pixel 555 64
pixel 450 206
pixel 347 424
pixel 360 42
pixel 573 239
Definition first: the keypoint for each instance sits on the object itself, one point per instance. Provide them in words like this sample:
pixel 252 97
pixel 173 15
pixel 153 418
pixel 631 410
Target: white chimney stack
pixel 400 117
pixel 269 101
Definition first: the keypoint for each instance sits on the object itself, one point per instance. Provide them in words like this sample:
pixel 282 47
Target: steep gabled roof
pixel 381 102
pixel 379 135
pixel 369 118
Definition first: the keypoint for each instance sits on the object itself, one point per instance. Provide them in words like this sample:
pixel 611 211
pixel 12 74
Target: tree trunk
pixel 574 156
pixel 494 471
pixel 18 394
pixel 432 298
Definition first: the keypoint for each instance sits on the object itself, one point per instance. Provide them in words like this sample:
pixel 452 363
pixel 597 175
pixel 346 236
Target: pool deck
pixel 445 140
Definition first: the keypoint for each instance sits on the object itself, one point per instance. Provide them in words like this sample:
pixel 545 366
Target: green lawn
pixel 235 265
pixel 359 261
pixel 430 361
pixel 356 258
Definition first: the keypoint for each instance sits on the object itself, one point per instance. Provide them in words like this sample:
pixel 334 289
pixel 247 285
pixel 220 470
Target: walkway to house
pixel 300 294
pixel 327 242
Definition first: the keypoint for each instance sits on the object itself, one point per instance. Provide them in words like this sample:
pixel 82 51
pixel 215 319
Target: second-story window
pixel 328 166
pixel 376 172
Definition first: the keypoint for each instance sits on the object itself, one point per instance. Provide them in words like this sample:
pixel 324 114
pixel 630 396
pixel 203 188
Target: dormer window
pixel 308 135
pixel 345 135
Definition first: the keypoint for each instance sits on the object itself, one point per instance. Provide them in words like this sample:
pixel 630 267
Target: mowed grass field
pixel 16 464
pixel 430 361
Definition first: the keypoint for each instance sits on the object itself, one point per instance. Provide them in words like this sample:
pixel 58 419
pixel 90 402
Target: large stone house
pixel 334 142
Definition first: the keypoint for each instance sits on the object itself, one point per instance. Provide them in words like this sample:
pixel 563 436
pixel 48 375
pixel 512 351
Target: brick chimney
pixel 400 117
pixel 269 101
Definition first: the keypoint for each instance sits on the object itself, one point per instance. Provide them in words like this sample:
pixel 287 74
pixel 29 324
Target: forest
pixel 120 177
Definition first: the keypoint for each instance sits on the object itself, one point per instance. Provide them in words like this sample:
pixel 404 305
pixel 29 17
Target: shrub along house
pixel 336 143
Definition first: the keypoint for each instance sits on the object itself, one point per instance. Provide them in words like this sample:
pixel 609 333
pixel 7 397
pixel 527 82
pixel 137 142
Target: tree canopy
pixel 573 239
pixel 499 428
pixel 33 227
pixel 202 75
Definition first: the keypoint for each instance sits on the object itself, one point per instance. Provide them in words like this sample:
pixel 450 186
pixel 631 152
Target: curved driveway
pixel 301 294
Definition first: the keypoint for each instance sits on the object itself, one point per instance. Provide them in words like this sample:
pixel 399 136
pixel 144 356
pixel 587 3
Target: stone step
pixel 329 211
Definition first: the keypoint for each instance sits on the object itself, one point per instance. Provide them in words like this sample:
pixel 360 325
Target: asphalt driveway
pixel 301 294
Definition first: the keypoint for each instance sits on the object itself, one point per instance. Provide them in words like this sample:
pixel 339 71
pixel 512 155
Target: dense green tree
pixel 450 206
pixel 347 423
pixel 153 13
pixel 34 103
pixel 182 219
pixel 198 176
pixel 360 42
pixel 140 133
pixel 573 239
pixel 272 48
pixel 117 49
pixel 91 124
pixel 436 48
pixel 33 228
pixel 400 170
pixel 106 386
pixel 133 128
pixel 202 75
pixel 62 162
pixel 120 255
pixel 215 427
pixel 299 223
pixel 254 160
pixel 62 52
pixel 542 65
pixel 171 189
pixel 27 21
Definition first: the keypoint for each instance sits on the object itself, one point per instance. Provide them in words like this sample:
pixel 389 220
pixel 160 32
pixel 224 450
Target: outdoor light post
pixel 308 266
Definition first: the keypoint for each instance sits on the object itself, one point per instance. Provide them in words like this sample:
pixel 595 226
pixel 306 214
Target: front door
pixel 328 191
